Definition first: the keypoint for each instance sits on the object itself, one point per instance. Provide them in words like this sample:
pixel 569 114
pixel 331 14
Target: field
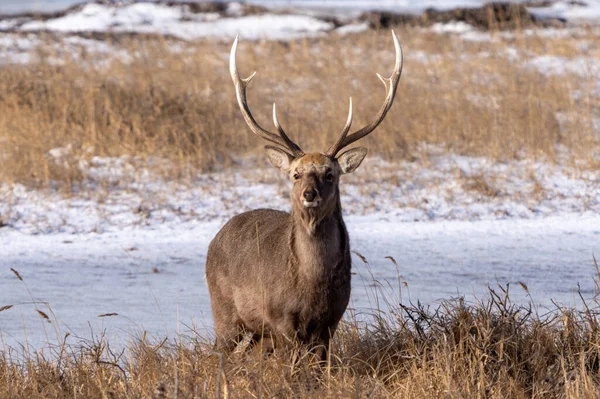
pixel 505 96
pixel 474 218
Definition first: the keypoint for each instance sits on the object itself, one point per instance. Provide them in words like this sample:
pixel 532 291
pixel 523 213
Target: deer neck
pixel 318 241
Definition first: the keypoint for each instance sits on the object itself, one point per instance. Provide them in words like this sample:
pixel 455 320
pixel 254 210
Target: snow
pixel 17 49
pixel 120 193
pixel 468 32
pixel 352 28
pixel 179 22
pixel 408 6
pixel 98 17
pixel 451 27
pixel 573 11
pixel 8 24
pixel 399 6
pixel 154 278
pixel 463 30
pixel 555 65
pixel 412 6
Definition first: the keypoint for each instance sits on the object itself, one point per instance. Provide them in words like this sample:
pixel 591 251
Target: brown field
pixel 179 105
pixel 492 349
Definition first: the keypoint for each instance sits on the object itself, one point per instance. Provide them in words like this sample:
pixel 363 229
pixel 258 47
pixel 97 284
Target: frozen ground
pixel 84 276
pixel 138 248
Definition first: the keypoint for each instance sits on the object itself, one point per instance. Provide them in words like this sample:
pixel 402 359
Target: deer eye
pixel 296 176
pixel 329 177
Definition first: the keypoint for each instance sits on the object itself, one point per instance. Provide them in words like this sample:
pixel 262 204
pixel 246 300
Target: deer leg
pixel 229 328
pixel 320 346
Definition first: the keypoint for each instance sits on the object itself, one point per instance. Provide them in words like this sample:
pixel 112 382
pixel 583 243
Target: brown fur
pixel 285 275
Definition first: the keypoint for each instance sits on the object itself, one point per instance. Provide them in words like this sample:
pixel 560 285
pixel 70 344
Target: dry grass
pixel 180 105
pixel 492 349
pixel 481 185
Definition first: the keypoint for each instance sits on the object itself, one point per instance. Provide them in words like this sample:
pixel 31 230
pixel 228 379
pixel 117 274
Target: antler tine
pixel 240 84
pixel 335 148
pixel 390 86
pixel 289 143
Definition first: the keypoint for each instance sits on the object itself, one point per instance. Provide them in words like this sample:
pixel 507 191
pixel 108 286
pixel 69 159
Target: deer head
pixel 315 175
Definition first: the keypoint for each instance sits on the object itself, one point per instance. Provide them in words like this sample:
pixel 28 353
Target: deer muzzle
pixel 310 198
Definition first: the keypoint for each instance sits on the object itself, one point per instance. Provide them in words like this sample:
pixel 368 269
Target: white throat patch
pixel 311 204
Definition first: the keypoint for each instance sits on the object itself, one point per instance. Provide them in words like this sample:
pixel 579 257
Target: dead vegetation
pixel 175 101
pixel 491 16
pixel 482 185
pixel 490 349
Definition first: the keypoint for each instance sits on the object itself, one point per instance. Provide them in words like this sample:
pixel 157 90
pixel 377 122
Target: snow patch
pixel 555 65
pixel 574 11
pixel 451 27
pixel 177 21
pixel 463 30
pixel 352 28
pixel 16 49
pixel 120 193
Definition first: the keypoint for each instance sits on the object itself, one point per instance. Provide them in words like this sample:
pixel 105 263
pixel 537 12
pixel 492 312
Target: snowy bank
pixel 272 20
pixel 180 22
pixel 441 187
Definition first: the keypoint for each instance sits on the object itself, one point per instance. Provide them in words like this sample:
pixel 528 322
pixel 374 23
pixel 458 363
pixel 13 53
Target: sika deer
pixel 283 275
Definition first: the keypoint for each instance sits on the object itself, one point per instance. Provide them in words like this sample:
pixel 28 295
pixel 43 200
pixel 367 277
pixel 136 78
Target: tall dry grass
pixel 175 101
pixel 491 349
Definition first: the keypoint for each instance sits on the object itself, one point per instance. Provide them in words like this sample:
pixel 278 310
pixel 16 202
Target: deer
pixel 286 276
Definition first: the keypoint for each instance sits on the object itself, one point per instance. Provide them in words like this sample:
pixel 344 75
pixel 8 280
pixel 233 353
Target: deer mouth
pixel 310 204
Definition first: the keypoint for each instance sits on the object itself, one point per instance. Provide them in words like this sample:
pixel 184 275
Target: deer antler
pixel 282 140
pixel 390 86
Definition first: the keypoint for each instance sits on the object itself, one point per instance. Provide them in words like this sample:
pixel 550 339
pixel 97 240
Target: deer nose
pixel 310 195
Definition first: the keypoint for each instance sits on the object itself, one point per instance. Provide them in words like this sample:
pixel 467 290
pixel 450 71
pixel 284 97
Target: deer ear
pixel 279 158
pixel 351 159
